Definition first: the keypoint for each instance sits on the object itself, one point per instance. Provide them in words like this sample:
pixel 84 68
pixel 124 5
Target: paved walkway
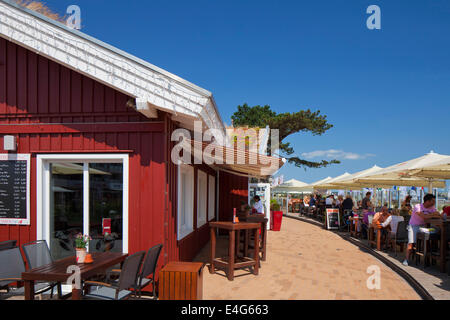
pixel 306 262
pixel 436 283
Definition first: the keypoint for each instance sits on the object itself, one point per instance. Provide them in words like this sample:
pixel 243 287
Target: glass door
pixel 85 197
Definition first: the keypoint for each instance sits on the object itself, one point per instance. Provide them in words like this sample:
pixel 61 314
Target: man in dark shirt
pixel 366 201
pixel 347 204
pixel 312 201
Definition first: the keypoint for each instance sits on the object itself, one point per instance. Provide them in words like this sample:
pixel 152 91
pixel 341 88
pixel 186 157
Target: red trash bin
pixel 276 220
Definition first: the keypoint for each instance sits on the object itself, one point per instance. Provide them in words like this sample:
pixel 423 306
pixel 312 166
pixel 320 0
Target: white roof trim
pixel 107 64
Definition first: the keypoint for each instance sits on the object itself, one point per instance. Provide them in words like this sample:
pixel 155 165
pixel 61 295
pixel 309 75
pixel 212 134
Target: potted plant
pixel 276 215
pixel 81 242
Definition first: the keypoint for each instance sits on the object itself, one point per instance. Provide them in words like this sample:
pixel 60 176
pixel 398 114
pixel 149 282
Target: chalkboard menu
pixel 333 219
pixel 15 189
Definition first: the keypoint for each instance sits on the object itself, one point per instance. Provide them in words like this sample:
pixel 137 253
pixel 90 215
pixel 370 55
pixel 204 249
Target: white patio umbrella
pixel 320 182
pixel 424 171
pixel 329 183
pixel 293 186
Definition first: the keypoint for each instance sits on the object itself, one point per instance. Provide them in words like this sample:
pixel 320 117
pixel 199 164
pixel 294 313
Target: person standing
pixel 366 204
pixel 347 204
pixel 420 214
pixel 258 205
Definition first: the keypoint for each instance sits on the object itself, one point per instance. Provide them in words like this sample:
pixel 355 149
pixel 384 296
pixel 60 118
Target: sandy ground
pixel 305 262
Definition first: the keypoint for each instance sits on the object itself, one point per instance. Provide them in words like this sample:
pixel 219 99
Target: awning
pixel 244 163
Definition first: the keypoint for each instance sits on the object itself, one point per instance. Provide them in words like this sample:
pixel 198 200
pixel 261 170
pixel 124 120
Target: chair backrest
pixel 402 232
pixel 151 261
pixel 4 245
pixel 395 221
pixel 130 270
pixel 37 253
pixel 11 265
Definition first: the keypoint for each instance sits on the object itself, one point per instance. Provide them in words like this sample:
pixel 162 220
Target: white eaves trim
pixel 104 63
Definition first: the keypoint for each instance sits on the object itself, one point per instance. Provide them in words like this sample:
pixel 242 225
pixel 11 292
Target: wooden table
pixel 442 225
pixel 57 271
pixel 231 262
pixel 257 218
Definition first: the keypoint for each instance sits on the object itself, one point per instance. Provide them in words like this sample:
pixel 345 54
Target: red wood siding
pixel 232 191
pixel 188 247
pixel 51 109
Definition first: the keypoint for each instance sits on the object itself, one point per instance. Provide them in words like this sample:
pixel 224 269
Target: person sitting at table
pixel 420 214
pixel 365 224
pixel 406 206
pixel 382 219
pixel 329 201
pixel 446 210
pixel 258 206
pixel 312 201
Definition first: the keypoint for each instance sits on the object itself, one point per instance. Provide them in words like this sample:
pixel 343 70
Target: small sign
pixel 106 226
pixel 333 219
pixel 15 189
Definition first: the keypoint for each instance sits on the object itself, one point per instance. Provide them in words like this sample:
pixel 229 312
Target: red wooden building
pixel 97 125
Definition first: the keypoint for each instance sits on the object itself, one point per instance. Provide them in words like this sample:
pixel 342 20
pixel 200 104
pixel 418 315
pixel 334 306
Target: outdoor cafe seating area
pixel 110 275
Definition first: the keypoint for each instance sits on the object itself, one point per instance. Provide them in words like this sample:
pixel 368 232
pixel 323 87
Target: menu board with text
pixel 15 189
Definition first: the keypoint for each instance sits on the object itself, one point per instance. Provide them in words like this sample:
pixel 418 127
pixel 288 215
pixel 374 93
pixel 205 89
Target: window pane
pixel 105 206
pixel 66 207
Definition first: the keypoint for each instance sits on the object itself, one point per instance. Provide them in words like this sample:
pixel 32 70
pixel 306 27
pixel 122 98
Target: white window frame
pixel 185 209
pixel 202 197
pixel 211 197
pixel 43 196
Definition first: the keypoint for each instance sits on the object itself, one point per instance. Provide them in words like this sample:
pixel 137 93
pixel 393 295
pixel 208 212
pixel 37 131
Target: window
pixel 82 193
pixel 212 198
pixel 185 200
pixel 202 192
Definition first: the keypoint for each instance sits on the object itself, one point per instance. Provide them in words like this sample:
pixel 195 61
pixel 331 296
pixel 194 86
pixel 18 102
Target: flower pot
pixel 81 255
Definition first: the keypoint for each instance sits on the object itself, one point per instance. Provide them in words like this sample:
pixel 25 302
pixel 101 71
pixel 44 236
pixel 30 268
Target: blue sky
pixel 387 92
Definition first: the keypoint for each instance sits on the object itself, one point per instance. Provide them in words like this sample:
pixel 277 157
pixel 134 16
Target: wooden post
pixel 378 239
pixel 76 294
pixel 231 252
pixel 29 290
pixel 264 241
pixel 443 247
pixel 212 251
pixel 256 268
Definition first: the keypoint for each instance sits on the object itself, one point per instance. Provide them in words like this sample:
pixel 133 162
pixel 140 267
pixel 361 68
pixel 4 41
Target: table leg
pixel 264 240
pixel 76 293
pixel 212 269
pixel 443 248
pixel 231 251
pixel 425 251
pixel 246 242
pixel 29 290
pixel 256 268
pixel 238 243
pixel 379 239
